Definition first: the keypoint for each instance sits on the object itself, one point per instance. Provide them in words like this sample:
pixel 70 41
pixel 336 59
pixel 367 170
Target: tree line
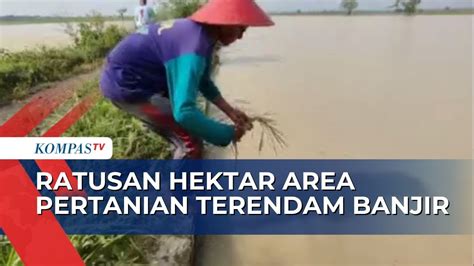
pixel 406 6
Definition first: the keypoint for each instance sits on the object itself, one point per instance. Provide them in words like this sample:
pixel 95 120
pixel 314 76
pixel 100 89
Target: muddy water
pixel 19 37
pixel 353 87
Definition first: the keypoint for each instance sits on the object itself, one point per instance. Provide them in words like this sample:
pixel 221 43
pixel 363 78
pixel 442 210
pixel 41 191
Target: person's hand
pixel 239 132
pixel 240 119
pixel 237 116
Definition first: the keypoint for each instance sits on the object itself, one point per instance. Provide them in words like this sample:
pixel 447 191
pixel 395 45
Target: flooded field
pixel 358 87
pixel 388 87
pixel 19 37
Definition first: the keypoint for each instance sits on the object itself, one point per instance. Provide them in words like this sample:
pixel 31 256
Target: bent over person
pixel 157 72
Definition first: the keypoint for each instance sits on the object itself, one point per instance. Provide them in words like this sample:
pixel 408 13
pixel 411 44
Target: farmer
pixel 156 73
pixel 143 14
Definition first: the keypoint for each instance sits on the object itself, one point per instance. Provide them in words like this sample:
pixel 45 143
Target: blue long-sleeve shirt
pixel 172 59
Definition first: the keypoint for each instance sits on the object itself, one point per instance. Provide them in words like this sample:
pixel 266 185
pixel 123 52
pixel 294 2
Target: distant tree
pixel 408 6
pixel 122 12
pixel 349 5
pixel 298 11
pixel 169 9
pixel 447 8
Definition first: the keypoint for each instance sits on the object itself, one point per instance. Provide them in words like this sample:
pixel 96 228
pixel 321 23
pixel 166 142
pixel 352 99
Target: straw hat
pixel 232 12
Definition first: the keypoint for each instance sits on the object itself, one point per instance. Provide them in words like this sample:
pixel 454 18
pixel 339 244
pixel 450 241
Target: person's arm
pixel 211 92
pixel 184 74
pixel 207 87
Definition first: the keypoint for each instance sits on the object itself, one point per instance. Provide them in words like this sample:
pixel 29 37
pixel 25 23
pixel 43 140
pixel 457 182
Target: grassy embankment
pixel 21 72
pixel 131 140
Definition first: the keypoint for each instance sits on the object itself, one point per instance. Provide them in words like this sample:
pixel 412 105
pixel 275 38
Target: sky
pixel 110 7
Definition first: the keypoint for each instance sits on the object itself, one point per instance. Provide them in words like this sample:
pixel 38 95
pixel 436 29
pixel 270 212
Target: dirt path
pixel 63 87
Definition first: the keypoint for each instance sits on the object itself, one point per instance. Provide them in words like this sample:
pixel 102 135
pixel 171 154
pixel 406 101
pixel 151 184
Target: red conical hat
pixel 232 12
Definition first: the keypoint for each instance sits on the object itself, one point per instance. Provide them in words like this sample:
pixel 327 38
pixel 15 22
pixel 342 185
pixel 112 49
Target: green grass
pixel 109 250
pixel 21 72
pixel 131 141
pixel 93 249
pixel 8 256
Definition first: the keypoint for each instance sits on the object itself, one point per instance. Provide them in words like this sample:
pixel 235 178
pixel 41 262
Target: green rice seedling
pixel 269 132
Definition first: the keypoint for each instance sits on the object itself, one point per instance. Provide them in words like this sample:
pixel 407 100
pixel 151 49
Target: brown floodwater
pixel 19 37
pixel 376 87
pixel 358 87
pixel 23 36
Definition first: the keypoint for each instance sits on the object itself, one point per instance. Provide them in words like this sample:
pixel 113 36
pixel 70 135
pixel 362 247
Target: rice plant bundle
pixel 269 133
